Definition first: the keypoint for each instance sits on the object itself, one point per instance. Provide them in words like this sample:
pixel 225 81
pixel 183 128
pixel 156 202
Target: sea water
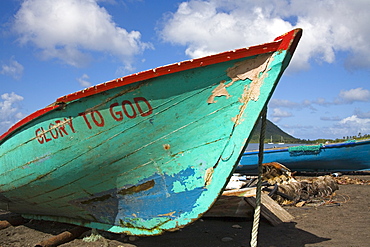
pixel 255 146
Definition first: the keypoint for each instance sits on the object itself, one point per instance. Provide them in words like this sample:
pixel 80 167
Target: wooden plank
pixel 241 203
pixel 232 204
pixel 271 210
pixel 245 192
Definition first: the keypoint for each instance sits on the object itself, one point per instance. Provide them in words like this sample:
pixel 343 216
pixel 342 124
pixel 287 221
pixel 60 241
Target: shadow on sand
pixel 232 232
pixel 212 232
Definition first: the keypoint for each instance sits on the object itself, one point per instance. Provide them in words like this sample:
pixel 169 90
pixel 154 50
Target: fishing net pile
pixel 304 150
pixel 285 189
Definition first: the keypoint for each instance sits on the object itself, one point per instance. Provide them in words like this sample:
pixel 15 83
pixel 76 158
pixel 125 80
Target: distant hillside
pixel 272 131
pixel 279 135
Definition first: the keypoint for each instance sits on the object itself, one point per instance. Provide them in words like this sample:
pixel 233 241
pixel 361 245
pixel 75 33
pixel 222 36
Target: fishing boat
pixel 281 141
pixel 142 154
pixel 335 157
pixel 270 141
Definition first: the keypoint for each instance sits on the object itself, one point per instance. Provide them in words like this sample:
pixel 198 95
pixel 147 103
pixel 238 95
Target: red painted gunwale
pixel 286 41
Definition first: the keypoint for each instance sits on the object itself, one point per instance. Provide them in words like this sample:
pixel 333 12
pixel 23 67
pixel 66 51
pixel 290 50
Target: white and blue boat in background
pixel 336 157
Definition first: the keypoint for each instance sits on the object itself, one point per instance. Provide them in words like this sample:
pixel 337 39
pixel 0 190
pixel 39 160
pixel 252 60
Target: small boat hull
pixel 142 154
pixel 339 157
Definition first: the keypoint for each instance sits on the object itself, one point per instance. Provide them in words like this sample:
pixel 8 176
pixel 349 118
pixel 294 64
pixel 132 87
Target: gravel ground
pixel 342 220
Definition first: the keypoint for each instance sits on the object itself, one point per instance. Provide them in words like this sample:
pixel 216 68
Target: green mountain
pixel 272 132
pixel 278 135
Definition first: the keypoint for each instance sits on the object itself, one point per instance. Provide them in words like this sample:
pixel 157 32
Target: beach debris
pixel 94 236
pixel 63 237
pixel 348 180
pixel 320 186
pixel 236 226
pixel 273 173
pixel 304 190
pixel 236 182
pixel 336 174
pixel 133 238
pixel 284 188
pixel 276 173
pixel 13 221
pixel 280 188
pixel 300 204
pixel 227 239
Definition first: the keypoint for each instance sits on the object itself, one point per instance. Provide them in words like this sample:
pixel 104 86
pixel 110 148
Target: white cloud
pixel 70 30
pixel 353 95
pixel 320 101
pixel 277 114
pixel 352 126
pixel 330 118
pixel 212 26
pixel 13 69
pixel 359 113
pixel 9 110
pixel 345 97
pixel 275 103
pixel 216 25
pixel 283 103
pixel 83 81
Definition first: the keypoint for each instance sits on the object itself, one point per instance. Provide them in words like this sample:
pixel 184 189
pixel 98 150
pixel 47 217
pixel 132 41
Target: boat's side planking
pixel 141 158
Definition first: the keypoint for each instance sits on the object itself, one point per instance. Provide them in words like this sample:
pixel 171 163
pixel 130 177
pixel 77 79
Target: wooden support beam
pixel 271 210
pixel 241 203
pixel 232 204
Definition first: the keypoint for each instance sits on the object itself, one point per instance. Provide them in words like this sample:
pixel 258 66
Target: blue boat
pixel 336 157
pixel 145 153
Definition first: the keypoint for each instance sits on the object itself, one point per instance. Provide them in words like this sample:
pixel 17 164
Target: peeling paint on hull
pixel 143 155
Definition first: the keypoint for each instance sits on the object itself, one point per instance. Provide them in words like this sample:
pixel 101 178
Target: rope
pixel 257 210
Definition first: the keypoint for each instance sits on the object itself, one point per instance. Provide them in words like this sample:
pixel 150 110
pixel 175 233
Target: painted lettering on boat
pixel 94 118
pixel 118 112
pixel 56 129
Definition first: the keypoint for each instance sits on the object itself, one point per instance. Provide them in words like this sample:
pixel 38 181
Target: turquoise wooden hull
pixel 145 153
pixel 338 157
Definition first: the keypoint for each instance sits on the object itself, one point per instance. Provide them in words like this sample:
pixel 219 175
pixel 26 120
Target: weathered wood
pixel 142 154
pixel 62 238
pixel 245 192
pixel 271 210
pixel 241 203
pixel 232 204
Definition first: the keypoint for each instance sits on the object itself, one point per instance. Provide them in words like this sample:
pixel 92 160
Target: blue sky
pixel 52 48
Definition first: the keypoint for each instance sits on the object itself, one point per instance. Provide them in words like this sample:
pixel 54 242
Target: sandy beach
pixel 342 220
